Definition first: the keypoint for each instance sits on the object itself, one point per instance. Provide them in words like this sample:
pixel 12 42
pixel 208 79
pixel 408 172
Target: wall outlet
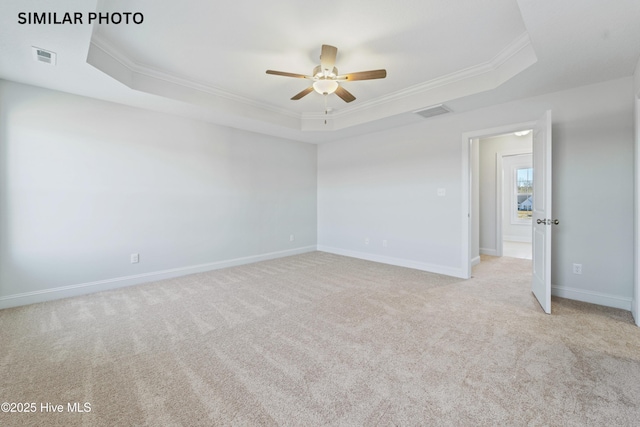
pixel 366 241
pixel 442 192
pixel 292 238
pixel 577 268
pixel 384 243
pixel 135 258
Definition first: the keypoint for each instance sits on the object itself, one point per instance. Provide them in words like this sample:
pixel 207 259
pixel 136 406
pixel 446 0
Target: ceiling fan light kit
pixel 325 87
pixel 326 78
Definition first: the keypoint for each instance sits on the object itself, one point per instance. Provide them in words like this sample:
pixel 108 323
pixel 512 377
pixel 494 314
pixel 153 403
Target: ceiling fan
pixel 326 78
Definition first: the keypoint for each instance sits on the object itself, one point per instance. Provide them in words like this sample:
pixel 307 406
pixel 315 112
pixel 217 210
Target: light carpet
pixel 319 339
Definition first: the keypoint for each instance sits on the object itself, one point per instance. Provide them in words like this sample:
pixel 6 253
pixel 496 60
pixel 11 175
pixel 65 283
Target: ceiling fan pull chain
pixel 326 110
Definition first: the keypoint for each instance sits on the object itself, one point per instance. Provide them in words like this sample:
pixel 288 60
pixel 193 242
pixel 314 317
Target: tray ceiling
pixel 208 61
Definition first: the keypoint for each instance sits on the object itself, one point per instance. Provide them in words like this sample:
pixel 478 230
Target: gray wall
pixel 383 186
pixel 85 183
pixel 593 160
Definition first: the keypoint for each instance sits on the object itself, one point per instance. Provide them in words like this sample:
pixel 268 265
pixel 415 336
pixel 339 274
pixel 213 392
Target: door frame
pixel 635 302
pixel 466 219
pixel 500 195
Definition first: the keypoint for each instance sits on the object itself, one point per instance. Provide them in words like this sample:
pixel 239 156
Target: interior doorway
pixel 541 209
pixel 504 194
pixel 471 196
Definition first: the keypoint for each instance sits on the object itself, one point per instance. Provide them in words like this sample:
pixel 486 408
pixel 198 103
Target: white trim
pixel 592 297
pixel 515 57
pixel 635 306
pixel 465 226
pixel 518 239
pixel 400 262
pixel 475 261
pixel 120 282
pixel 499 203
pixel 136 71
pixel 491 66
pixel 491 252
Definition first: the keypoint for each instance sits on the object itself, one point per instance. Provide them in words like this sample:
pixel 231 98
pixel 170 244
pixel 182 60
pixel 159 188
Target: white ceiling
pixel 200 59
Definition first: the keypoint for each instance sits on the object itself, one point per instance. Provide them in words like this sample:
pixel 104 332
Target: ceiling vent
pixel 42 55
pixel 434 110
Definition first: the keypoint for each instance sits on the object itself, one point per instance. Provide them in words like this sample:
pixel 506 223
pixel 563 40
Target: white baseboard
pixel 518 239
pixel 475 261
pixel 120 282
pixel 486 251
pixel 432 268
pixel 592 297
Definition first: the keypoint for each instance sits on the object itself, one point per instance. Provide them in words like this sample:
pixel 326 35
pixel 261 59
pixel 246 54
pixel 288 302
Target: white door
pixel 541 286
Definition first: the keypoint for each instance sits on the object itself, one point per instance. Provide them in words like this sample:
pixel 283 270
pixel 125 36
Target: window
pixel 523 195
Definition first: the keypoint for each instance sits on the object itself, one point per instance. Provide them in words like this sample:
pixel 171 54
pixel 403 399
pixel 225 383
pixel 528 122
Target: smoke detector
pixel 43 55
pixel 434 110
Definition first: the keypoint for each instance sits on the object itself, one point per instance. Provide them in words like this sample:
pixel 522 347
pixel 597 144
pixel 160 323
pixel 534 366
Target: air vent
pixel 43 55
pixel 434 110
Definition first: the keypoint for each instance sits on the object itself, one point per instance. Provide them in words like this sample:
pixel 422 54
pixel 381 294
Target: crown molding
pixel 521 43
pixel 514 58
pixel 138 71
pixel 510 61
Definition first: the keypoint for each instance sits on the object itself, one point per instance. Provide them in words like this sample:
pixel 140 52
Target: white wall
pixel 384 186
pixel 85 183
pixel 490 148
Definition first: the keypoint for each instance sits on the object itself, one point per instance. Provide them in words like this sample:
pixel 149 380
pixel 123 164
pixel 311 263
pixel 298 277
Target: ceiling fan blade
pixel 305 92
pixel 344 94
pixel 364 75
pixel 328 57
pixel 282 73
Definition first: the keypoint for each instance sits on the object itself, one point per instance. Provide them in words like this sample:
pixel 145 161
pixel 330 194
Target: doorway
pixel 541 210
pixel 471 194
pixel 503 194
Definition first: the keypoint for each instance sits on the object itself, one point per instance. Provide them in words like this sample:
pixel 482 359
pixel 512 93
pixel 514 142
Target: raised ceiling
pixel 208 59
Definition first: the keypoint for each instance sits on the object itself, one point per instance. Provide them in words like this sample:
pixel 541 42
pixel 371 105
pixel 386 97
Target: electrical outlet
pixel 384 243
pixel 577 268
pixel 292 238
pixel 366 241
pixel 135 258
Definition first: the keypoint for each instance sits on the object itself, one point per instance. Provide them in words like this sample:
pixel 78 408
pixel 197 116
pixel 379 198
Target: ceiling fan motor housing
pixel 318 73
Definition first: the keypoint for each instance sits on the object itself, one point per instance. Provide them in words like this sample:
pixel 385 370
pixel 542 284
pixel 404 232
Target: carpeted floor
pixel 320 339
